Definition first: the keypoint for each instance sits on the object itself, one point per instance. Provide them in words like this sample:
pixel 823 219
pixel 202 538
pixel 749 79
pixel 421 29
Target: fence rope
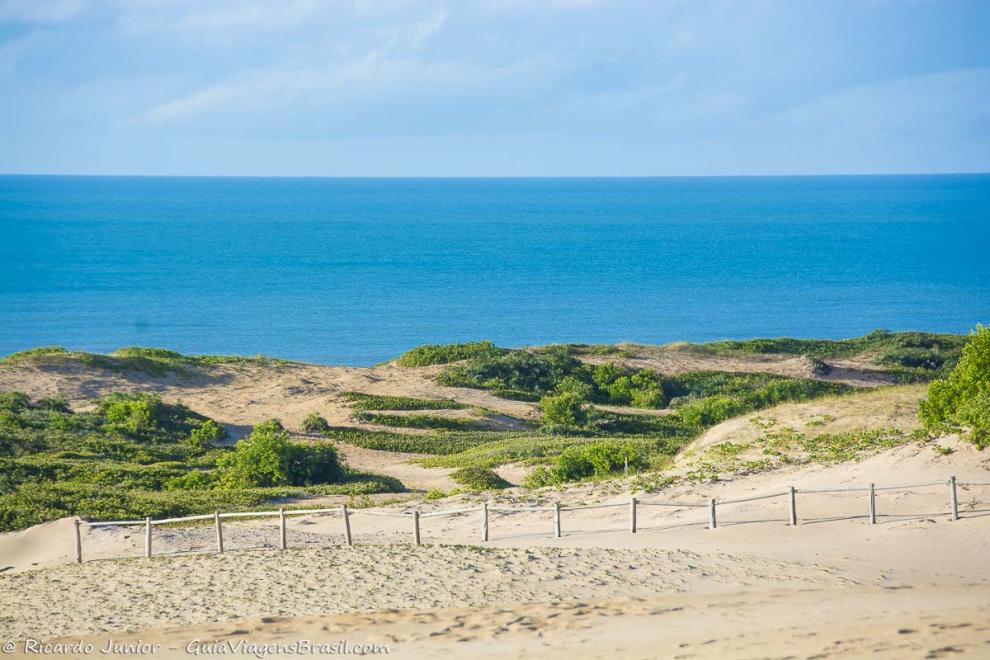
pixel 592 506
pixel 248 514
pixel 511 509
pixel 113 523
pixel 309 512
pixel 861 489
pixel 383 514
pixel 673 504
pixel 753 499
pixel 973 483
pixel 434 514
pixel 944 482
pixel 165 521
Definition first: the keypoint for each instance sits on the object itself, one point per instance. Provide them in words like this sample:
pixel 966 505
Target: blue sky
pixel 493 88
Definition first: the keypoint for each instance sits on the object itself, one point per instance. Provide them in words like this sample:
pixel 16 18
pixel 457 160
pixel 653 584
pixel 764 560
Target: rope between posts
pixel 434 514
pixel 832 490
pixel 308 512
pixel 185 519
pixel 973 483
pixel 511 509
pixel 249 514
pixel 930 483
pixel 752 499
pixel 673 504
pixel 383 514
pixel 592 506
pixel 113 523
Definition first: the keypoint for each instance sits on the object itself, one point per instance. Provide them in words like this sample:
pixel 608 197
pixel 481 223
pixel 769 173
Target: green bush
pixel 315 423
pixel 568 409
pixel 593 460
pixel 962 398
pixel 207 434
pixel 478 478
pixel 268 458
pixel 428 354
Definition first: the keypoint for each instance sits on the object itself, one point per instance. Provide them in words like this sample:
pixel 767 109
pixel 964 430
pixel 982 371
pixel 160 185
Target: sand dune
pixel 913 584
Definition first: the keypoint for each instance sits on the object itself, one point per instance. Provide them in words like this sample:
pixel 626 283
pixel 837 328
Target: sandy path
pixel 821 623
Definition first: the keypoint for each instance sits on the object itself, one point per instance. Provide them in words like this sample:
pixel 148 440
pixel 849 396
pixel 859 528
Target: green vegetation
pixel 434 443
pixel 421 421
pixel 476 478
pixel 599 460
pixel 268 458
pixel 788 446
pixel 428 354
pixel 135 455
pixel 361 402
pixel 961 400
pixel 152 361
pixel 315 423
pixel 911 355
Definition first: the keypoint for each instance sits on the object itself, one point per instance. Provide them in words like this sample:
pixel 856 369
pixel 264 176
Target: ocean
pixel 355 271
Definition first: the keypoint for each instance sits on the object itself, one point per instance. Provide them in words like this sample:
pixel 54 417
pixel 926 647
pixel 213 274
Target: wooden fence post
pixel 347 524
pixel 632 514
pixel 219 525
pixel 78 541
pixel 556 519
pixel 793 506
pixel 281 529
pixel 625 470
pixel 416 522
pixel 953 500
pixel 873 504
pixel 484 521
pixel 711 514
pixel 147 537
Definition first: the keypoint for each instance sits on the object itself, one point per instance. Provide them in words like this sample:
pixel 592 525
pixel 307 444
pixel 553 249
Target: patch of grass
pixel 908 354
pixel 136 456
pixel 477 478
pixel 435 443
pixel 420 421
pixel 361 402
pixel 30 354
pixel 428 354
pixel 152 361
pixel 536 448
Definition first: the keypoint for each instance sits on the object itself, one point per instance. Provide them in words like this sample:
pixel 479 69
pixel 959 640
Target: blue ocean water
pixel 357 270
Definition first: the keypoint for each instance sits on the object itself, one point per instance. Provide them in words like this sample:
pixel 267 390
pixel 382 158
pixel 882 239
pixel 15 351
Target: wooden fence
pixel 556 509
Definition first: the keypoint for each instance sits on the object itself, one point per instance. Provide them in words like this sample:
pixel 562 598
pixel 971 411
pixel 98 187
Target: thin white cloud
pixel 40 11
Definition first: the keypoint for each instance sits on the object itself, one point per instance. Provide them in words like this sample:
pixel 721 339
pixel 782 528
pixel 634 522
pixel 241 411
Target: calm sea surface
pixel 356 270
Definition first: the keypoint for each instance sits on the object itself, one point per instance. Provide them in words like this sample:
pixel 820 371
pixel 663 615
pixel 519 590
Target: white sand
pixel 834 585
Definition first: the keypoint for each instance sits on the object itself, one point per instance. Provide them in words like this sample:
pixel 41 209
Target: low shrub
pixel 593 460
pixel 428 354
pixel 477 478
pixel 315 423
pixel 961 400
pixel 268 458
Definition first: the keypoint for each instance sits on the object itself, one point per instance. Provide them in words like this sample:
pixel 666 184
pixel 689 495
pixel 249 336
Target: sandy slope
pixel 834 585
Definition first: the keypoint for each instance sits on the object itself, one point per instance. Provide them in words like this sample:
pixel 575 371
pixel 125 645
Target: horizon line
pixel 492 177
